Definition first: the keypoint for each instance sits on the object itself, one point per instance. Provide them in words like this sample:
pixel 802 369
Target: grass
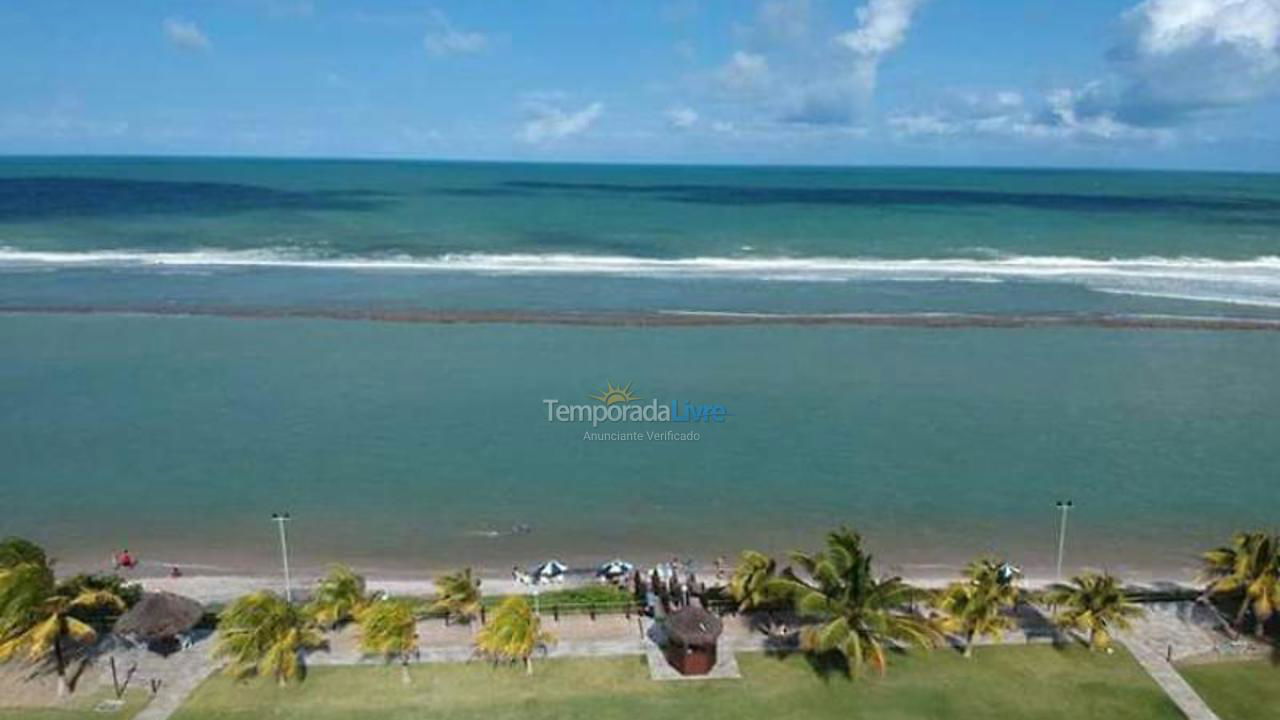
pixel 1024 682
pixel 80 707
pixel 1238 690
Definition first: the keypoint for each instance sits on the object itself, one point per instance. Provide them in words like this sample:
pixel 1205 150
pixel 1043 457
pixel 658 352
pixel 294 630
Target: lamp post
pixel 1065 506
pixel 280 519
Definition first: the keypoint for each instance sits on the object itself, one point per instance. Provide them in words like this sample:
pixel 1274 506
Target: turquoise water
pixel 398 447
pixel 369 209
pixel 137 234
pixel 408 447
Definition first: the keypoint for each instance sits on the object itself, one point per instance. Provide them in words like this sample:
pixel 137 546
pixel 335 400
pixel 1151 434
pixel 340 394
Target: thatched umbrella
pixel 159 616
pixel 690 646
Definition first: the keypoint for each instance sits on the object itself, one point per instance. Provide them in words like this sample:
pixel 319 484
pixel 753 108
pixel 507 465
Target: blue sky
pixel 1159 83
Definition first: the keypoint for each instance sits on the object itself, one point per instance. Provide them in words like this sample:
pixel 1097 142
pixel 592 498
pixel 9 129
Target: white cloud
pixel 882 27
pixel 743 72
pixel 443 38
pixel 185 34
pixel 548 122
pixel 1169 26
pixel 836 97
pixel 1177 60
pixel 1181 58
pixel 1006 114
pixel 682 118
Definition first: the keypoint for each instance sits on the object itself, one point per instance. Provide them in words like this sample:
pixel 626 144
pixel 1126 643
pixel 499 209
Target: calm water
pixel 400 446
pixel 403 447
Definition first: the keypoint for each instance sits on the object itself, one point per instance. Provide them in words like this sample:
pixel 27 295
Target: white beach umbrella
pixel 550 570
pixel 615 568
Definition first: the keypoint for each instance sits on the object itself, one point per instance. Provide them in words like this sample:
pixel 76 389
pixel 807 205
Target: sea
pixel 934 357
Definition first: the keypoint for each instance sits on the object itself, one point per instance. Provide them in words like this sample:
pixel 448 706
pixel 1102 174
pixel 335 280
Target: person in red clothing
pixel 125 560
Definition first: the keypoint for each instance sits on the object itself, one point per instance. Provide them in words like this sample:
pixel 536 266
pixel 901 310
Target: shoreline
pixel 683 318
pixel 224 588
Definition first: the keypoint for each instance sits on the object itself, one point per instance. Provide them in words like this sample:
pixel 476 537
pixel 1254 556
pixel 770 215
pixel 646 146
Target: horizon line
pixel 626 163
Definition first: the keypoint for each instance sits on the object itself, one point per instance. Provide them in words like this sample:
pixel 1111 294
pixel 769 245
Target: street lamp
pixel 280 519
pixel 1065 506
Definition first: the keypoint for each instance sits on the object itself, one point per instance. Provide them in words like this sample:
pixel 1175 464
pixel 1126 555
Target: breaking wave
pixel 1253 281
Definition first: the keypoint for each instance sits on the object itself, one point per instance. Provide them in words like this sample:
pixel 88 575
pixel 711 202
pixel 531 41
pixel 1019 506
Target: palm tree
pixel 458 596
pixel 860 615
pixel 976 605
pixel 1095 603
pixel 390 628
pixel 513 634
pixel 38 616
pixel 752 582
pixel 339 597
pixel 16 550
pixel 27 580
pixel 1249 566
pixel 262 634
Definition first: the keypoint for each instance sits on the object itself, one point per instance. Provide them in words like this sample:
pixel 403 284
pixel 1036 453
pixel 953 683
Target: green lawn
pixel 1242 690
pixel 1014 682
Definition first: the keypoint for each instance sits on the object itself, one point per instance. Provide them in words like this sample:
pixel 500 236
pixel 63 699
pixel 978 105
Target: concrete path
pixel 1167 677
pixel 1174 631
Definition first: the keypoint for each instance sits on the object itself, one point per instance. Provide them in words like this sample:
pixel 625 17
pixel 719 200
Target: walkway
pixel 1173 630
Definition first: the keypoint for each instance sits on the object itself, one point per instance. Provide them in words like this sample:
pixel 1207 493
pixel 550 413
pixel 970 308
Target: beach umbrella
pixel 693 626
pixel 159 616
pixel 550 570
pixel 1006 573
pixel 615 568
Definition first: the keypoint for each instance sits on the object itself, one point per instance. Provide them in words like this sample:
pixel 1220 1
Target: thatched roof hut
pixel 691 636
pixel 693 626
pixel 159 616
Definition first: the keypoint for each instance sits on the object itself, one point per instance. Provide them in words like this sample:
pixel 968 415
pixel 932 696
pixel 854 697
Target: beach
pixel 221 589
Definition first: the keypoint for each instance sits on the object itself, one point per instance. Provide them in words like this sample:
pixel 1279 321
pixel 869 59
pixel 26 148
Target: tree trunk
pixel 404 670
pixel 968 644
pixel 1240 614
pixel 63 689
pixel 528 665
pixel 62 668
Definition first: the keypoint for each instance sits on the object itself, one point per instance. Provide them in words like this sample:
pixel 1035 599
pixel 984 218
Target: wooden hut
pixel 690 643
pixel 159 620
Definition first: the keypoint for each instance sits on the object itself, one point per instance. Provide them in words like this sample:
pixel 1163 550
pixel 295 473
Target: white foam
pixel 1252 281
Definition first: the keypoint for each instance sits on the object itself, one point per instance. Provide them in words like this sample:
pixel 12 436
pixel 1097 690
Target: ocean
pixel 933 356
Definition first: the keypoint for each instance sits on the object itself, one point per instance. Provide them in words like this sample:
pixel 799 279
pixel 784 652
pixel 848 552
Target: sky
pixel 1109 83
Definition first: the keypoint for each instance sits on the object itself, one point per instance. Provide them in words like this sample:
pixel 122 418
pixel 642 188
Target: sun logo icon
pixel 614 395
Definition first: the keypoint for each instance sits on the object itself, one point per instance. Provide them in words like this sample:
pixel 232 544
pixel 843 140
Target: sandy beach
pixel 224 588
